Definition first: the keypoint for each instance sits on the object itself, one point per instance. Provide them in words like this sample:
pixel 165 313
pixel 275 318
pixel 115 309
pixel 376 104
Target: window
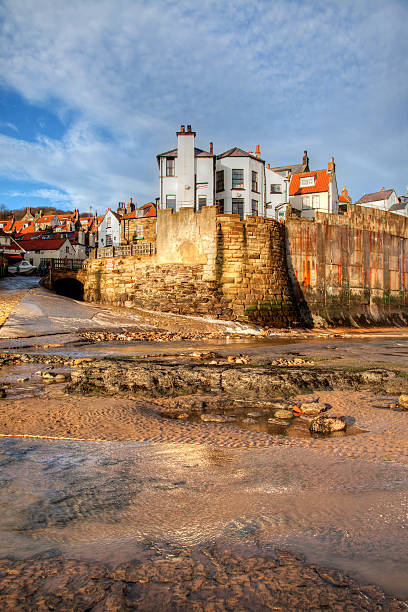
pixel 67 249
pixel 108 222
pixel 220 207
pixel 170 166
pixel 307 181
pixel 276 188
pixel 202 201
pixel 316 201
pixel 171 202
pixel 254 181
pixel 108 239
pixel 238 207
pixel 237 179
pixel 305 202
pixel 219 181
pixel 255 207
pixel 140 213
pixel 139 231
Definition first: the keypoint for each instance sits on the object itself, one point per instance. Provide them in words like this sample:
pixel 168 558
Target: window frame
pixel 200 204
pixel 173 208
pixel 219 181
pixel 237 183
pixel 256 202
pixel 170 166
pixel 307 181
pixel 275 191
pixel 304 205
pixel 254 181
pixel 240 203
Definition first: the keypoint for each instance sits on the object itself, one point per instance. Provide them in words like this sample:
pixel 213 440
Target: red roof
pixel 149 210
pixel 42 244
pixel 6 225
pixel 322 180
pixel 19 226
pixel 344 199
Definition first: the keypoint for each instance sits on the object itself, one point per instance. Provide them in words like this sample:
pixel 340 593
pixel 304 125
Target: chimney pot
pixel 182 128
pixel 131 200
pixel 189 128
pixel 257 150
pixel 211 148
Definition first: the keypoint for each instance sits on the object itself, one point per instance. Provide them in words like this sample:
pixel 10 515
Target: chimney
pixel 189 129
pixel 305 161
pixel 382 189
pixel 269 166
pixel 331 166
pixel 130 207
pixel 257 151
pixel 182 129
pixel 211 148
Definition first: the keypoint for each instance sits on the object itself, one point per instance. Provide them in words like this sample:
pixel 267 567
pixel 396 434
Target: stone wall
pixel 205 264
pixel 350 268
pixel 129 227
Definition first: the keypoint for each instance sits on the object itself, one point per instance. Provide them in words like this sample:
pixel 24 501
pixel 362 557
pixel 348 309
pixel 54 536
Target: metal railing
pixel 145 248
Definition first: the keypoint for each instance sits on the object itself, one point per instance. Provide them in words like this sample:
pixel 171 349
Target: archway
pixel 70 287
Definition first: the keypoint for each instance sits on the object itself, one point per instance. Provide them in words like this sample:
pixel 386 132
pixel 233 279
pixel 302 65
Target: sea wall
pixel 206 264
pixel 351 268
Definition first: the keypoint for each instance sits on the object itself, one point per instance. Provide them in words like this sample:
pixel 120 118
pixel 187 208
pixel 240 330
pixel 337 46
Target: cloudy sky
pixel 92 90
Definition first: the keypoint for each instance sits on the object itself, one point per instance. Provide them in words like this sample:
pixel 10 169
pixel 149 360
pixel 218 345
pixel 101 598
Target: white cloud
pixel 286 74
pixel 8 125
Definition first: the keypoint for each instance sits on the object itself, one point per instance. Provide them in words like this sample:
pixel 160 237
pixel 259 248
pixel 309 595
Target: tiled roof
pixel 375 197
pixel 19 226
pixel 42 244
pixel 294 169
pixel 173 153
pixel 344 199
pixel 237 152
pixel 6 225
pixel 322 180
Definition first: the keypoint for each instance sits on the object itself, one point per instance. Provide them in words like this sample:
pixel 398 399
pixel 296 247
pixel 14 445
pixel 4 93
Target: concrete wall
pixel 350 268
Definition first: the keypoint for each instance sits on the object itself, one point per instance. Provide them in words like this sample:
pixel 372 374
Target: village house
pixel 43 250
pixel 138 225
pixel 186 174
pixel 385 199
pixel 277 187
pixel 109 230
pixel 314 191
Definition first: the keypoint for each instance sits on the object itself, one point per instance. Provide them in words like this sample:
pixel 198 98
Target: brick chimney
pixel 331 166
pixel 257 152
pixel 305 161
pixel 131 206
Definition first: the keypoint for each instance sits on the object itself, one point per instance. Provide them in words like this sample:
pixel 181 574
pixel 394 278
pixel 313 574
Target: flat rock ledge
pixel 205 579
pixel 115 377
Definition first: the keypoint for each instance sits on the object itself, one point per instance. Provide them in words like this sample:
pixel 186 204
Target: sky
pixel 92 90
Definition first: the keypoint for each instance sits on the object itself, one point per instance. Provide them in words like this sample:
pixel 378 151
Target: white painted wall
pixel 382 204
pixel 113 230
pixel 247 164
pixel 66 251
pixel 275 199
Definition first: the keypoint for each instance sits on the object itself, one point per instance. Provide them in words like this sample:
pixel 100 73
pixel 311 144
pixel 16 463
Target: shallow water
pixel 104 501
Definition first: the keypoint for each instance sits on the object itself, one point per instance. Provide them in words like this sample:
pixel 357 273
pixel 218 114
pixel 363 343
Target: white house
pixel 109 230
pixel 239 183
pixel 44 249
pixel 385 199
pixel 315 191
pixel 186 174
pixel 276 193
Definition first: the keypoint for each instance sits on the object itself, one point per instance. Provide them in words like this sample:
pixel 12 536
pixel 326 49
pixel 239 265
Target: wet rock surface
pixel 197 579
pixel 328 424
pixel 113 377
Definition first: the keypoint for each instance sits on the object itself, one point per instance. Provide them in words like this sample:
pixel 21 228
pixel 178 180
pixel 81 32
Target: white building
pixel 315 191
pixel 240 182
pixel 109 230
pixel 43 249
pixel 385 199
pixel 186 174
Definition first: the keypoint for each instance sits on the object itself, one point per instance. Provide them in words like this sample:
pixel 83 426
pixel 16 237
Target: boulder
pixel 214 418
pixel 254 415
pixel 327 424
pixel 403 402
pixel 283 414
pixel 312 408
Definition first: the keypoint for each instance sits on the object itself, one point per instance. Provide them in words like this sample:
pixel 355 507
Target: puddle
pixel 107 501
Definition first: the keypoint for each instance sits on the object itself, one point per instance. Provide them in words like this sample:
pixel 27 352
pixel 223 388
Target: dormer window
pixel 307 181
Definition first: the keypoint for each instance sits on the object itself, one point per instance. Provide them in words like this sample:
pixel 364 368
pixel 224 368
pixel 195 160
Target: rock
pixel 183 415
pixel 2 392
pixel 403 402
pixel 60 378
pixel 327 424
pixel 23 379
pixel 231 358
pixel 248 421
pixel 214 418
pixel 312 408
pixel 254 415
pixel 283 414
pixel 48 375
pixel 280 422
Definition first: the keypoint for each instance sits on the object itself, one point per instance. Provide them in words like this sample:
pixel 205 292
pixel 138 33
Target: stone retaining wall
pixel 350 268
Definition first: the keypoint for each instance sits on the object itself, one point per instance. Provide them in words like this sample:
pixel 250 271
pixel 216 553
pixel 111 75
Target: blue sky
pixel 91 91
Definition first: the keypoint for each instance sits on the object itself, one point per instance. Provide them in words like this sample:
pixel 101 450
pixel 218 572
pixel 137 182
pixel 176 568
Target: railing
pixel 68 264
pixel 145 248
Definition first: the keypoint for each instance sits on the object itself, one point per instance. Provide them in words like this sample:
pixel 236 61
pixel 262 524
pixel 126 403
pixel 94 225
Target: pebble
pixel 283 414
